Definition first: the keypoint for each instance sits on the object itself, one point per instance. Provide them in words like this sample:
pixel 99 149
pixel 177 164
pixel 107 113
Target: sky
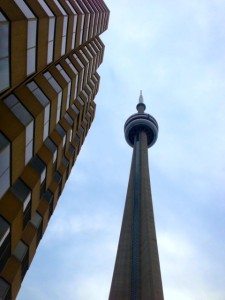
pixel 174 50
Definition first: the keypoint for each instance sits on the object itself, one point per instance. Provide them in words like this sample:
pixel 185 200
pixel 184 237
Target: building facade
pixel 49 54
pixel 137 273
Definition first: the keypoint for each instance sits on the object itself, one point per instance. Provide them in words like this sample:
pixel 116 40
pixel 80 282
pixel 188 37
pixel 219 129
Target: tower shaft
pixel 137 272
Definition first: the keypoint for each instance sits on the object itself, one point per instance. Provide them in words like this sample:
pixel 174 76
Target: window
pixel 58 90
pixel 61 132
pixel 26 119
pixel 23 193
pixel 71 149
pixel 65 161
pixel 51 30
pixel 21 253
pixel 74 24
pixel 31 36
pixel 48 196
pixel 87 65
pixel 75 109
pixel 82 69
pixel 64 31
pixel 87 22
pixel 37 221
pixel 76 77
pixel 38 165
pixel 91 61
pixel 4 53
pixel 4 290
pixel 86 96
pixel 82 24
pixel 68 80
pixel 52 147
pixel 81 112
pixel 43 100
pixel 5 242
pixel 58 178
pixel 68 119
pixel 90 92
pixel 4 164
pixel 70 135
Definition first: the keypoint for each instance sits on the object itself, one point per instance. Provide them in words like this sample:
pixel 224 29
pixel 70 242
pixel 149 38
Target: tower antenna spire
pixel 141 106
pixel 141 99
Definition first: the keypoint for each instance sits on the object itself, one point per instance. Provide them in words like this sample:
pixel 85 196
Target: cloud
pixel 174 51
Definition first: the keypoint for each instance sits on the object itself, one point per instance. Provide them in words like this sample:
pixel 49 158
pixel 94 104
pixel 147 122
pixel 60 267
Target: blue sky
pixel 175 52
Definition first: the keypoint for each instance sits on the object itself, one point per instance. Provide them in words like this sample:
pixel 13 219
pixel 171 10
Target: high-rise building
pixel 137 271
pixel 49 53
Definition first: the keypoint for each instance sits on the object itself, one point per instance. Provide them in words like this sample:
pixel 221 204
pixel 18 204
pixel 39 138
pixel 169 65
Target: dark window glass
pixel 4 290
pixel 5 242
pixel 48 196
pixel 22 254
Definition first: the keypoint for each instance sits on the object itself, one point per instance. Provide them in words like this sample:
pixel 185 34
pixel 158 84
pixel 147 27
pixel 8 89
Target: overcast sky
pixel 174 50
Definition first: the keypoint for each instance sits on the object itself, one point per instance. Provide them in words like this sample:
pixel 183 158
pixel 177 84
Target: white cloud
pixel 174 51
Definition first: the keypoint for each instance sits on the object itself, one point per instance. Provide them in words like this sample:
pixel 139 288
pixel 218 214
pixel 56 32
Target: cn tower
pixel 137 271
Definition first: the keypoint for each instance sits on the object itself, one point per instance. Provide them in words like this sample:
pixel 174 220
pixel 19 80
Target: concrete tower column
pixel 137 271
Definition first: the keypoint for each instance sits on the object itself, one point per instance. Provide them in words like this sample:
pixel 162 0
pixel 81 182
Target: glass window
pixel 33 87
pixel 4 230
pixel 87 65
pixel 76 77
pixel 57 177
pixel 71 149
pixel 52 147
pixel 4 41
pixel 29 133
pixel 61 132
pixel 38 165
pixel 50 52
pixel 53 82
pixel 28 152
pixel 74 24
pixel 82 71
pixel 70 135
pixel 36 220
pixel 4 289
pixel 31 35
pixel 65 161
pixel 4 182
pixel 74 108
pixel 65 22
pixel 31 60
pixel 20 251
pixel 5 244
pixel 48 196
pixel 91 61
pixel 4 71
pixel 26 119
pixel 68 119
pixel 87 16
pixel 4 164
pixel 51 30
pixel 68 80
pixel 58 90
pixel 22 192
pixel 71 66
pixel 82 24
